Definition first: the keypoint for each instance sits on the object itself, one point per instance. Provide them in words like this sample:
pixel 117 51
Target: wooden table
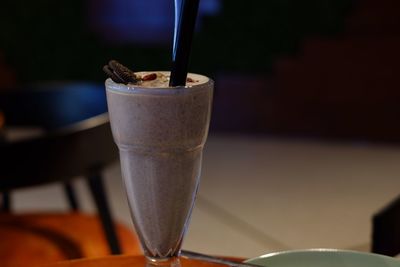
pixel 125 261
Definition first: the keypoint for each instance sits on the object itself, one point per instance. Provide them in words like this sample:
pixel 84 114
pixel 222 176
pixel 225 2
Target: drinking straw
pixel 184 29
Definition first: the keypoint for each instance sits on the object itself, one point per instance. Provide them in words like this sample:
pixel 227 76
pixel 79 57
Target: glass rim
pixel 137 89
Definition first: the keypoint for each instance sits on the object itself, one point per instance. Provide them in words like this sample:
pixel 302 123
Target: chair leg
pixel 71 196
pixel 386 230
pixel 97 189
pixel 6 202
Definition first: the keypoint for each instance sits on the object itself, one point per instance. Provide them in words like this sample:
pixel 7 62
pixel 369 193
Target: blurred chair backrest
pixel 77 139
pixel 52 105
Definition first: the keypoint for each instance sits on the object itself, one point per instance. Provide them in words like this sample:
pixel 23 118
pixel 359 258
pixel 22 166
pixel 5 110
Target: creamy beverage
pixel 160 132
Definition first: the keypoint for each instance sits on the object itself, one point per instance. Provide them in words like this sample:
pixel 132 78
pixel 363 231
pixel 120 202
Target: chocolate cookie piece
pixel 111 75
pixel 119 73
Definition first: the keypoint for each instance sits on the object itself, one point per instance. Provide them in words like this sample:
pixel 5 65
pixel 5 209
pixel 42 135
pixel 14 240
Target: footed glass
pixel 160 133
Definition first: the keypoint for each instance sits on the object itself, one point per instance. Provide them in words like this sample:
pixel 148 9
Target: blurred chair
pixel 66 134
pixel 386 229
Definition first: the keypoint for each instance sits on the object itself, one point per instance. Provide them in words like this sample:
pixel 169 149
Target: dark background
pixel 318 68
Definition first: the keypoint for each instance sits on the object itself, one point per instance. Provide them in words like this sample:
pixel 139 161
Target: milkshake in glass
pixel 160 132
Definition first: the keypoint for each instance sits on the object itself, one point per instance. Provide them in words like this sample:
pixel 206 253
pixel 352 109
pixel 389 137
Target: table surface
pixel 124 261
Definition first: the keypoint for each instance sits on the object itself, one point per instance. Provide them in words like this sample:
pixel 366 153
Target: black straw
pixel 183 42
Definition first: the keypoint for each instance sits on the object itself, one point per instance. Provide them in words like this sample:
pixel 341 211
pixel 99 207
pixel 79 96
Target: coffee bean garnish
pixel 149 77
pixel 119 73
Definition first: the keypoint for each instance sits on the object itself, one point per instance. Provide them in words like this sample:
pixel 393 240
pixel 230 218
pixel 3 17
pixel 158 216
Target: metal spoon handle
pixel 212 259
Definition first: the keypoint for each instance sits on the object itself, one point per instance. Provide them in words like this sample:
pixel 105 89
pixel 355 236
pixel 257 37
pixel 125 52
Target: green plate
pixel 324 258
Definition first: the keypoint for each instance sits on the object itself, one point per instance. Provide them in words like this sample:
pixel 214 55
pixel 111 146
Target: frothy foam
pixel 162 80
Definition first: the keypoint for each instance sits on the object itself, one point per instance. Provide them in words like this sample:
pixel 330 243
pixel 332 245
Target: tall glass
pixel 160 133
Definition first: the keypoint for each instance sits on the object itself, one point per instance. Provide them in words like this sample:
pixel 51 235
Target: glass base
pixel 163 262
